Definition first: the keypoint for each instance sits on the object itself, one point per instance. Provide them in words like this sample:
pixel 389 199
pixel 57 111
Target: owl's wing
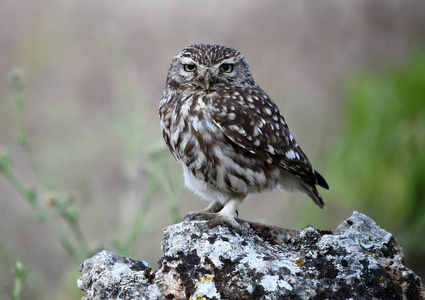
pixel 250 119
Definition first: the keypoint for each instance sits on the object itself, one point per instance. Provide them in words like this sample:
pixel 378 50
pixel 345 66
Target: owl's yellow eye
pixel 226 68
pixel 189 68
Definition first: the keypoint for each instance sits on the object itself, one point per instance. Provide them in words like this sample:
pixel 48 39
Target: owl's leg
pixel 230 208
pixel 226 216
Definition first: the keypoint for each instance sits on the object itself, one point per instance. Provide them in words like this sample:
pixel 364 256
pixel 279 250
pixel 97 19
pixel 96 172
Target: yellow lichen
pixel 299 262
pixel 203 279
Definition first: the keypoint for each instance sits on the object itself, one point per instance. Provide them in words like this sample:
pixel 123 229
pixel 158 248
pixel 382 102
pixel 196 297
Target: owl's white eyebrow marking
pixel 187 60
pixel 226 61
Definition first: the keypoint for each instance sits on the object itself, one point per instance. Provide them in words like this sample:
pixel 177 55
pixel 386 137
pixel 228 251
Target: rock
pixel 359 260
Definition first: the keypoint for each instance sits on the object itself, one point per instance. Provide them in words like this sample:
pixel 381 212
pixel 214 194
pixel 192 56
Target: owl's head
pixel 209 67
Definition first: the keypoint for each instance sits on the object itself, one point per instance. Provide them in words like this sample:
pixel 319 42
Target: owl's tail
pixel 312 191
pixel 321 181
pixel 315 196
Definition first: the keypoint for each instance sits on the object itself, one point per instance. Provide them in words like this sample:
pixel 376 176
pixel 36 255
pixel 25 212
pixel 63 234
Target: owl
pixel 228 135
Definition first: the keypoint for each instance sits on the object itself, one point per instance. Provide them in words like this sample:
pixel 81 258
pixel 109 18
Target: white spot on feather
pixel 237 128
pixel 290 154
pixel 271 149
pixel 257 131
pixel 268 111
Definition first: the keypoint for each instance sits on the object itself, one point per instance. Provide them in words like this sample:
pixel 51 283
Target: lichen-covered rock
pixel 359 260
pixel 110 276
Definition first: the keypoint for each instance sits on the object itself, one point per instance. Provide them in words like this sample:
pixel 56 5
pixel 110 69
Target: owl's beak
pixel 208 80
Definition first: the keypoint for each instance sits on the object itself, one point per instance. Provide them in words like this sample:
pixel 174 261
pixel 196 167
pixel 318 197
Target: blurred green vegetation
pixel 378 160
pixel 19 272
pixel 65 223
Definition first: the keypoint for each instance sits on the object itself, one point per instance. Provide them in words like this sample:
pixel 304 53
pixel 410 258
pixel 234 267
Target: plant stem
pixel 135 232
pixel 20 273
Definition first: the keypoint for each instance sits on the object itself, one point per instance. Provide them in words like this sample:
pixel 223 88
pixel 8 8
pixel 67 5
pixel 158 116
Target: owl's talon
pixel 232 223
pixel 215 220
pixel 200 216
pixel 191 216
pixel 213 208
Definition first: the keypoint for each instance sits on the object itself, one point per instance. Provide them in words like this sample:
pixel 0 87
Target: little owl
pixel 228 135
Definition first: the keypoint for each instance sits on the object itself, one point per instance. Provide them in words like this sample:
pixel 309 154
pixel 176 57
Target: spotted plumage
pixel 229 136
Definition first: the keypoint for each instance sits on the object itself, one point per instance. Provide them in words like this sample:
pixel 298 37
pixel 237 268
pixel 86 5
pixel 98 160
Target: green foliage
pixel 379 159
pixel 77 248
pixel 20 273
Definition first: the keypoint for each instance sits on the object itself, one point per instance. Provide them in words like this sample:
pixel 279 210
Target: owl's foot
pixel 215 220
pixel 214 207
pixel 219 214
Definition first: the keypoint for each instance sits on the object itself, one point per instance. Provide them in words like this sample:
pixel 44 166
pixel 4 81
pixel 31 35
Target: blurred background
pixel 83 165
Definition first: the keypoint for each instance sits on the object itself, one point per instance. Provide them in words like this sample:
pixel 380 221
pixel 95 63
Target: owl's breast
pixel 192 131
pixel 207 153
pixel 185 125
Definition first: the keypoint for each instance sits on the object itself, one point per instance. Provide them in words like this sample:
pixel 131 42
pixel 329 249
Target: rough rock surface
pixel 358 260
